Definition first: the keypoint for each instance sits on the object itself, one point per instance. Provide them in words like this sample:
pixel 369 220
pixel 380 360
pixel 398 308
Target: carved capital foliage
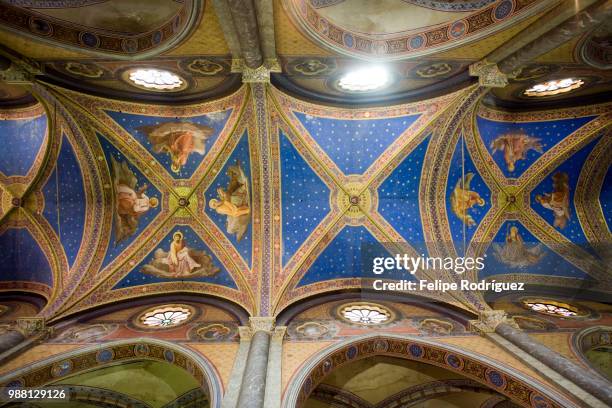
pixel 254 75
pixel 488 74
pixel 262 324
pixel 245 333
pixel 29 326
pixel 489 320
pixel 279 333
pixel 266 324
pixel 17 70
pixel 16 76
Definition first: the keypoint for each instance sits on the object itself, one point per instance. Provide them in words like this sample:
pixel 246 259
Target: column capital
pixel 279 333
pixel 245 333
pixel 256 75
pixel 488 74
pixel 29 326
pixel 266 324
pixel 14 75
pixel 488 321
pixel 17 70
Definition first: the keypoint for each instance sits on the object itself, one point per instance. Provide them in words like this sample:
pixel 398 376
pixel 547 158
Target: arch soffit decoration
pixel 102 42
pixel 520 388
pixel 414 43
pixel 287 315
pixel 589 338
pixel 98 356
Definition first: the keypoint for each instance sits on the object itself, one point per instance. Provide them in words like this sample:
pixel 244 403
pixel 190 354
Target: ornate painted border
pixel 412 395
pixel 102 355
pixel 487 112
pixel 31 112
pixel 526 391
pixel 434 180
pixel 588 192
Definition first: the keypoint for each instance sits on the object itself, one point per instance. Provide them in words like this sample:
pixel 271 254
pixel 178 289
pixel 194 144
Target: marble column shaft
pixel 245 23
pixel 580 376
pixel 10 339
pixel 585 20
pixel 253 388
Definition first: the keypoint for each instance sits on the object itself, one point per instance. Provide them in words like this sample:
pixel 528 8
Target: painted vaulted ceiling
pixel 95 192
pixel 265 195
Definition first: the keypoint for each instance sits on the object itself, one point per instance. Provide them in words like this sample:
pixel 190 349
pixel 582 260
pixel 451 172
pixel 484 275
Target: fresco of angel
pixel 515 146
pixel 462 199
pixel 132 201
pixel 559 200
pixel 515 253
pixel 234 202
pixel 180 261
pixel 178 139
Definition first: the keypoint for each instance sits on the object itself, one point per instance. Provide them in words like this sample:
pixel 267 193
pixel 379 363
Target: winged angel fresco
pixel 462 199
pixel 234 202
pixel 178 139
pixel 132 201
pixel 515 252
pixel 180 261
pixel 558 201
pixel 515 146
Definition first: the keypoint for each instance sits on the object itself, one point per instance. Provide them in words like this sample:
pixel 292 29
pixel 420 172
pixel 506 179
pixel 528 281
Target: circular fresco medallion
pixel 503 9
pixel 457 29
pixel 89 39
pixel 40 26
pixel 355 200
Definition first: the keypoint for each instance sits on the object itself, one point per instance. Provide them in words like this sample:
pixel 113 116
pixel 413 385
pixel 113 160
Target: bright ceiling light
pixel 365 314
pixel 554 87
pixel 155 79
pixel 166 316
pixel 365 79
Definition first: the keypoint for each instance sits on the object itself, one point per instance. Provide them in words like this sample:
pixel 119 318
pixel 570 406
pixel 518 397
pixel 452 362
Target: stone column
pixel 565 374
pixel 245 24
pixel 585 20
pixel 274 378
pixel 253 387
pixel 495 69
pixel 10 339
pixel 230 399
pixel 585 379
